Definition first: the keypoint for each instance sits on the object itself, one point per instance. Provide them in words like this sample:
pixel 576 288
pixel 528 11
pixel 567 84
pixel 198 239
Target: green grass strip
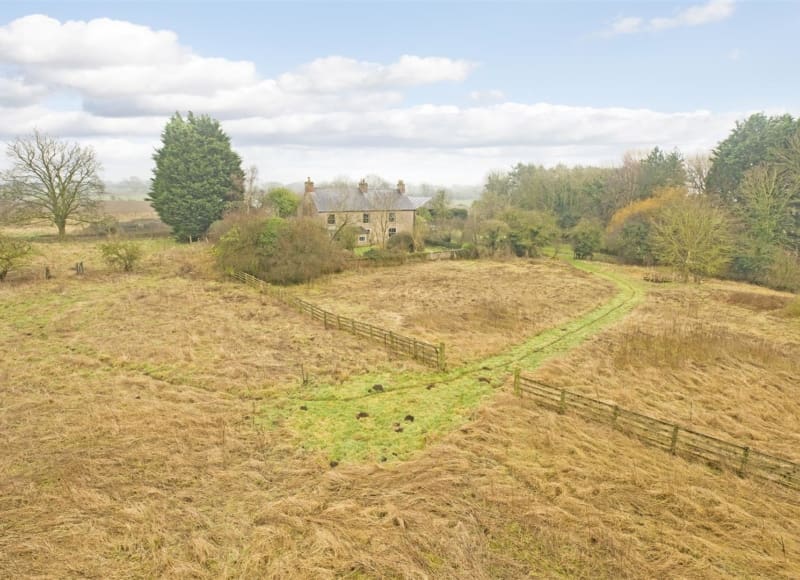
pixel 357 421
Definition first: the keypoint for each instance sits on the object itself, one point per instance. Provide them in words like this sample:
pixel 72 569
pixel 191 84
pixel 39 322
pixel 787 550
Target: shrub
pixel 585 238
pixel 13 254
pixel 278 250
pixel 784 272
pixel 403 242
pixel 122 255
pixel 347 237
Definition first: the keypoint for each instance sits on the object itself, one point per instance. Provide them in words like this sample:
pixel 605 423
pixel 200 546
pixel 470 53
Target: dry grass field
pixel 720 358
pixel 126 210
pixel 139 440
pixel 476 308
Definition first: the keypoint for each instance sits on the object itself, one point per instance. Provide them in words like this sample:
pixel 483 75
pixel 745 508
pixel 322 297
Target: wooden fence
pixel 403 258
pixel 669 437
pixel 424 352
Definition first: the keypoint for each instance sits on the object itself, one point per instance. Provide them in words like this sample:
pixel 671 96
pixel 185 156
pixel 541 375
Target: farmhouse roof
pixel 333 200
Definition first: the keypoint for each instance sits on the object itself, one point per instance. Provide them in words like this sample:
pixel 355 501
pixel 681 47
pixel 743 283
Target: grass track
pixel 325 417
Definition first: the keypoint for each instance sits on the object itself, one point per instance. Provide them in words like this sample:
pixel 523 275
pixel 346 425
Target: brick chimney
pixel 362 186
pixel 401 187
pixel 309 186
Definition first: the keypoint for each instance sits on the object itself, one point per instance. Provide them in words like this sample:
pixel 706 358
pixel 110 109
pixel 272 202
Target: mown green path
pixel 326 418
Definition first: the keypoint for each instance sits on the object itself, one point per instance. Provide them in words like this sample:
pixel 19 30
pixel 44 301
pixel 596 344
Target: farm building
pixel 377 213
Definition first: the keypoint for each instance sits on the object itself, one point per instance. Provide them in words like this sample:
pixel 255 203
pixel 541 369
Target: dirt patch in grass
pixel 758 301
pixel 689 357
pixel 477 308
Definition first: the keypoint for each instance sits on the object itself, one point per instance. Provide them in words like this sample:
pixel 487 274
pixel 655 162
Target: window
pixel 391 216
pixel 332 219
pixel 365 218
pixel 362 238
pixel 392 231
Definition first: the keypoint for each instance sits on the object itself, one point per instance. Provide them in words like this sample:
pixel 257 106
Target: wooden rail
pixel 669 437
pixel 424 352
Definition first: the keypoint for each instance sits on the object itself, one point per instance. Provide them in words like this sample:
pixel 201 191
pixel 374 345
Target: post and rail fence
pixel 669 437
pixel 395 343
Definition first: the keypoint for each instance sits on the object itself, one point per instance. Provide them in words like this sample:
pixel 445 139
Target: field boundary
pixel 425 352
pixel 670 437
pixel 358 262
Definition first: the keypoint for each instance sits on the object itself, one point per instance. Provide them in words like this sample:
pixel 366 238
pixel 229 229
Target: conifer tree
pixel 197 175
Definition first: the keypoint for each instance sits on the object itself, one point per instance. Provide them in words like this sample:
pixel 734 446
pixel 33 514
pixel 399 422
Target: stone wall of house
pixel 378 220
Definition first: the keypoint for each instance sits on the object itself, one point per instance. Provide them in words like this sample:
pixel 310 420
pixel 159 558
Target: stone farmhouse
pixel 378 214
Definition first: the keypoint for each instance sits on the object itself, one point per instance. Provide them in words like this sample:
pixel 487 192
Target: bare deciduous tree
pixel 697 168
pixel 51 181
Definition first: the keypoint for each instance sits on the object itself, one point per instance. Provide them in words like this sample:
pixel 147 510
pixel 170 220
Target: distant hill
pixel 132 188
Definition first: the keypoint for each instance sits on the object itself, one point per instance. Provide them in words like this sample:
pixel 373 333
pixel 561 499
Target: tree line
pixel 734 213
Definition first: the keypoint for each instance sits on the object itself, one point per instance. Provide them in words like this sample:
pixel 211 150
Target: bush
pixel 585 238
pixel 13 254
pixel 279 251
pixel 784 272
pixel 106 225
pixel 403 242
pixel 347 237
pixel 122 255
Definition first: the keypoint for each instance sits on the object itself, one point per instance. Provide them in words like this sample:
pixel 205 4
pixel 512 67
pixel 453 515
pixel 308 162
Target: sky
pixel 440 92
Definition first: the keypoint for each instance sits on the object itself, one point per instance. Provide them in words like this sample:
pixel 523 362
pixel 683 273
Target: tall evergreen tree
pixel 196 176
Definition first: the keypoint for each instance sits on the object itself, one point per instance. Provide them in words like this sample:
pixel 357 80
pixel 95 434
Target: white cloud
pixel 627 25
pixel 113 84
pixel 491 96
pixel 336 73
pixel 712 11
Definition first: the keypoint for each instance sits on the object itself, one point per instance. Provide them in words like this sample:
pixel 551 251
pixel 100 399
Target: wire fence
pixel 669 437
pixel 426 353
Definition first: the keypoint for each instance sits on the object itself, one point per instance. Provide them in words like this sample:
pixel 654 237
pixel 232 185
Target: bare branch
pixel 51 180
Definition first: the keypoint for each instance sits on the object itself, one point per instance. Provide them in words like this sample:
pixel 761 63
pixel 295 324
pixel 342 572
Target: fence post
pixel 563 405
pixel 517 389
pixel 414 346
pixel 745 456
pixel 353 325
pixel 338 322
pixel 325 318
pixel 674 443
pixel 440 363
pixel 614 419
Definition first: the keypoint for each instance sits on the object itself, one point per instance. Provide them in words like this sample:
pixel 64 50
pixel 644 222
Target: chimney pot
pixel 362 186
pixel 309 186
pixel 401 187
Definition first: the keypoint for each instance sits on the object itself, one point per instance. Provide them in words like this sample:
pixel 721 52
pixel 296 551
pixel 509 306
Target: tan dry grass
pixel 692 356
pixel 477 308
pixel 110 472
pixel 129 209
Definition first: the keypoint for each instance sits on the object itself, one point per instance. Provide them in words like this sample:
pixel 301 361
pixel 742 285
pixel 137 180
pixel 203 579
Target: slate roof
pixel 331 200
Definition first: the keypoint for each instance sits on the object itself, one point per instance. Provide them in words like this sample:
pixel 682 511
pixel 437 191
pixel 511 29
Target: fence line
pixel 669 437
pixel 424 352
pixel 394 260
